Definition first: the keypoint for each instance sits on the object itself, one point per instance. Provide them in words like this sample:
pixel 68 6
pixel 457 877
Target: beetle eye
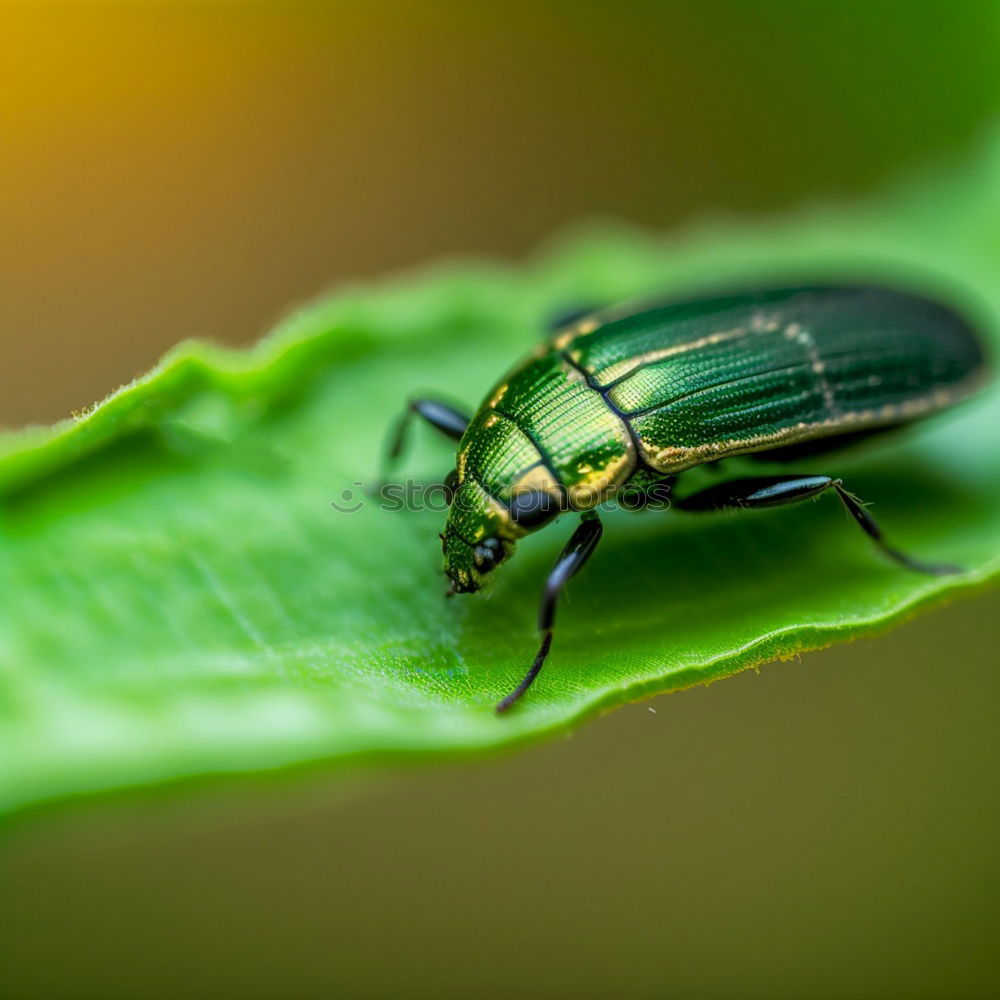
pixel 532 508
pixel 450 484
pixel 487 554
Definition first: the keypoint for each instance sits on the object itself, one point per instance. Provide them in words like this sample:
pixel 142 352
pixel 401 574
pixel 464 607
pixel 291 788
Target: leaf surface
pixel 180 598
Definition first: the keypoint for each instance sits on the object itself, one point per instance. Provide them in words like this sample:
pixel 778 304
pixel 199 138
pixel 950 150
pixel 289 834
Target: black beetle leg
pixel 442 417
pixel 775 491
pixel 573 556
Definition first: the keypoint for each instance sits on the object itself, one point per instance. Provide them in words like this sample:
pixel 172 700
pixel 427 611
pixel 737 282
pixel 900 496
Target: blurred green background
pixel 187 169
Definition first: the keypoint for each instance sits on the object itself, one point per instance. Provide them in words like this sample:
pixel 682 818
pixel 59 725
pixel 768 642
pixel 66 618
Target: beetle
pixel 631 397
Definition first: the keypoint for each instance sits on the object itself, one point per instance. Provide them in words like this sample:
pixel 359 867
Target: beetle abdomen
pixel 744 373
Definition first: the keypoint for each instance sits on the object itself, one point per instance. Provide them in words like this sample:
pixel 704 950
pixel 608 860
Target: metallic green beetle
pixel 632 396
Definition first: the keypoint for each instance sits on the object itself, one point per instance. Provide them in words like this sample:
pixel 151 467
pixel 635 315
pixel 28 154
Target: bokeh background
pixel 168 170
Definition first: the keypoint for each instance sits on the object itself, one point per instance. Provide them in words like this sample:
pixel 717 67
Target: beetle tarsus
pixel 577 551
pixel 540 657
pixel 874 532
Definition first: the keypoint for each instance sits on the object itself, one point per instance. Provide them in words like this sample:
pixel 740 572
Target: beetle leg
pixel 442 417
pixel 573 556
pixel 774 491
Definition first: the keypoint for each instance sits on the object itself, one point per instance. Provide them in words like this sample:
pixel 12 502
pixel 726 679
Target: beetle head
pixel 476 539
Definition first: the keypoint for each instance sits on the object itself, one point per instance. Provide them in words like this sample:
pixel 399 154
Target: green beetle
pixel 630 397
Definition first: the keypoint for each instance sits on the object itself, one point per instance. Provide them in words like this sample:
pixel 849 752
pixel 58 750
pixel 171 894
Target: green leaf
pixel 180 598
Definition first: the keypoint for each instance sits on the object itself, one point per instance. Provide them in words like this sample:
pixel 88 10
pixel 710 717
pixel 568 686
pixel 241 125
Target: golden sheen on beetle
pixel 630 397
